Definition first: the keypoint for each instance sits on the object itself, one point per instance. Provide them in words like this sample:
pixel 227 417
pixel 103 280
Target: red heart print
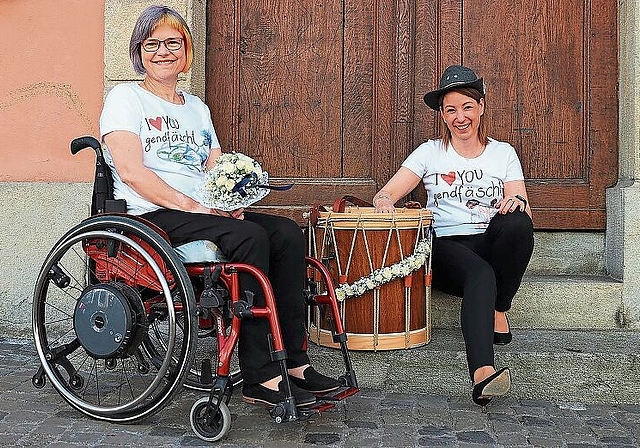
pixel 156 123
pixel 449 178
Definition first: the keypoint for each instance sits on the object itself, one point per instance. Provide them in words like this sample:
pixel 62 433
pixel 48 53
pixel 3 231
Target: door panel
pixel 328 94
pixel 550 68
pixel 291 86
pixel 296 81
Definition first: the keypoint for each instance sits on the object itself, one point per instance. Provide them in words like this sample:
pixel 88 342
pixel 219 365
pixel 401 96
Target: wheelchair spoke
pixel 82 257
pixel 57 321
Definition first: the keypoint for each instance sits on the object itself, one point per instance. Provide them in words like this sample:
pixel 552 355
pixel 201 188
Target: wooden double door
pixel 327 94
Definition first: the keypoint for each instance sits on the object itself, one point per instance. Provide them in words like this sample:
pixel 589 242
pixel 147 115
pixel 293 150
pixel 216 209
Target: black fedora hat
pixel 453 77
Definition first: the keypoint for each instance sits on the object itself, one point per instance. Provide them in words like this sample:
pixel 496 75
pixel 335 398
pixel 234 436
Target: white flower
pixel 385 274
pixel 229 167
pixel 245 165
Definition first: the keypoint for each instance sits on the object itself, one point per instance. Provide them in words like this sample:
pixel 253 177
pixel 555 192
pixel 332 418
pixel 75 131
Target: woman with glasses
pixel 482 220
pixel 159 141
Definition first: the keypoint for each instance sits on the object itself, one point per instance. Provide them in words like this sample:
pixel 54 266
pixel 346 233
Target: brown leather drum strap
pixel 412 204
pixel 314 214
pixel 340 203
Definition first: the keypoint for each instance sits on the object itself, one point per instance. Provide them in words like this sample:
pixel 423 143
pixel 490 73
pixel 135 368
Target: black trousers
pixel 485 270
pixel 274 244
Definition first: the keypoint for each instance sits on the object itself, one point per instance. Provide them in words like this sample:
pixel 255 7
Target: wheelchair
pixel 122 320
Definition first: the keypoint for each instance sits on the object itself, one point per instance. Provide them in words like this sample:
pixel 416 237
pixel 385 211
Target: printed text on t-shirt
pixel 467 184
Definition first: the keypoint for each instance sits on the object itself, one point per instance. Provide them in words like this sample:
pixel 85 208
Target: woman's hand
pixel 383 204
pixel 510 204
pixel 398 186
pixel 515 198
pixel 235 214
pixel 238 213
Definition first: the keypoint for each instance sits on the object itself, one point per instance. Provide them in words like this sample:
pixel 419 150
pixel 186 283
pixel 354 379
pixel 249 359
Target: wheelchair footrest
pixel 324 402
pixel 338 394
pixel 320 406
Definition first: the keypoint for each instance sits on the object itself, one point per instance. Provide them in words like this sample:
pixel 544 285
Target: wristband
pixel 524 201
pixel 381 196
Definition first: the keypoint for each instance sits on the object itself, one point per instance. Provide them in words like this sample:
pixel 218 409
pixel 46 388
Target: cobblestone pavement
pixel 373 418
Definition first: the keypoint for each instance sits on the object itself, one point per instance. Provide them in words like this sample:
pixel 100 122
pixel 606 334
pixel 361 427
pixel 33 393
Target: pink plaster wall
pixel 51 87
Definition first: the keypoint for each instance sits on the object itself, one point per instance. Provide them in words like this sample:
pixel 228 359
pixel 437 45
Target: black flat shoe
pixel 493 386
pixel 503 338
pixel 257 393
pixel 315 382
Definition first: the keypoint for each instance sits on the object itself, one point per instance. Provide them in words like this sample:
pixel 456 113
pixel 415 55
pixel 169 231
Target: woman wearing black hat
pixel 481 251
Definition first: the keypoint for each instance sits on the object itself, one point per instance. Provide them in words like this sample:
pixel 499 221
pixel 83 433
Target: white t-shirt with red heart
pixel 462 192
pixel 176 139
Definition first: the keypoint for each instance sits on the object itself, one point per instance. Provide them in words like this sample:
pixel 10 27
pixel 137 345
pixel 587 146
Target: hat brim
pixel 432 99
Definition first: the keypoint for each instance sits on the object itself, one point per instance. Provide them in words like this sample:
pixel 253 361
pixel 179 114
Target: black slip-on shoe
pixel 257 393
pixel 315 382
pixel 502 338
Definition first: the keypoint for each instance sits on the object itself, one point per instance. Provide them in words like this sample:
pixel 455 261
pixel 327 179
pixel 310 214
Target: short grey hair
pixel 146 23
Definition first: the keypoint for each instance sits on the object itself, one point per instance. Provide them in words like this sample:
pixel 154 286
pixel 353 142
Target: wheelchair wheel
pixel 219 426
pixel 114 319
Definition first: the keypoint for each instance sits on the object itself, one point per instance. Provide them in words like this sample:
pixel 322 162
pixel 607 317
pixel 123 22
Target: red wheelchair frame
pixel 133 270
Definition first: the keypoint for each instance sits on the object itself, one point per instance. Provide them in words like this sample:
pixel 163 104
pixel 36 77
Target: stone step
pixel 568 302
pixel 568 253
pixel 559 365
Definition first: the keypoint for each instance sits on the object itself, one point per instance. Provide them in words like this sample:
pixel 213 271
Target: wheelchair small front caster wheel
pixel 278 413
pixel 38 381
pixel 220 422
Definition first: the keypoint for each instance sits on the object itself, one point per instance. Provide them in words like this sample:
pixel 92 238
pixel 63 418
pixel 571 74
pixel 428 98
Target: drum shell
pixel 396 314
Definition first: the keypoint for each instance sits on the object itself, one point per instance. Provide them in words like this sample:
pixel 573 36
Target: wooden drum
pixel 362 249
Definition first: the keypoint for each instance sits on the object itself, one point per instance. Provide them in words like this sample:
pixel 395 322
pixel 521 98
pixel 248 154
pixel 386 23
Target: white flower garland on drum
pixel 385 274
pixel 235 181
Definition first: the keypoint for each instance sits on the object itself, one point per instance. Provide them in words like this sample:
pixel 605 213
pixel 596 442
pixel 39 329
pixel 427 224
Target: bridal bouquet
pixel 235 181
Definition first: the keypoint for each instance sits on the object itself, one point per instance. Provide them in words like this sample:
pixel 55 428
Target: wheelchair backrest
pixel 102 198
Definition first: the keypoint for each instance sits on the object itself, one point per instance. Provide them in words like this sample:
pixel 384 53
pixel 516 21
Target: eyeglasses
pixel 153 45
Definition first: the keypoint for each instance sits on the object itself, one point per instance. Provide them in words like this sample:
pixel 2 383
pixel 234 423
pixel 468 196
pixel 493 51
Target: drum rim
pixel 367 217
pixel 372 211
